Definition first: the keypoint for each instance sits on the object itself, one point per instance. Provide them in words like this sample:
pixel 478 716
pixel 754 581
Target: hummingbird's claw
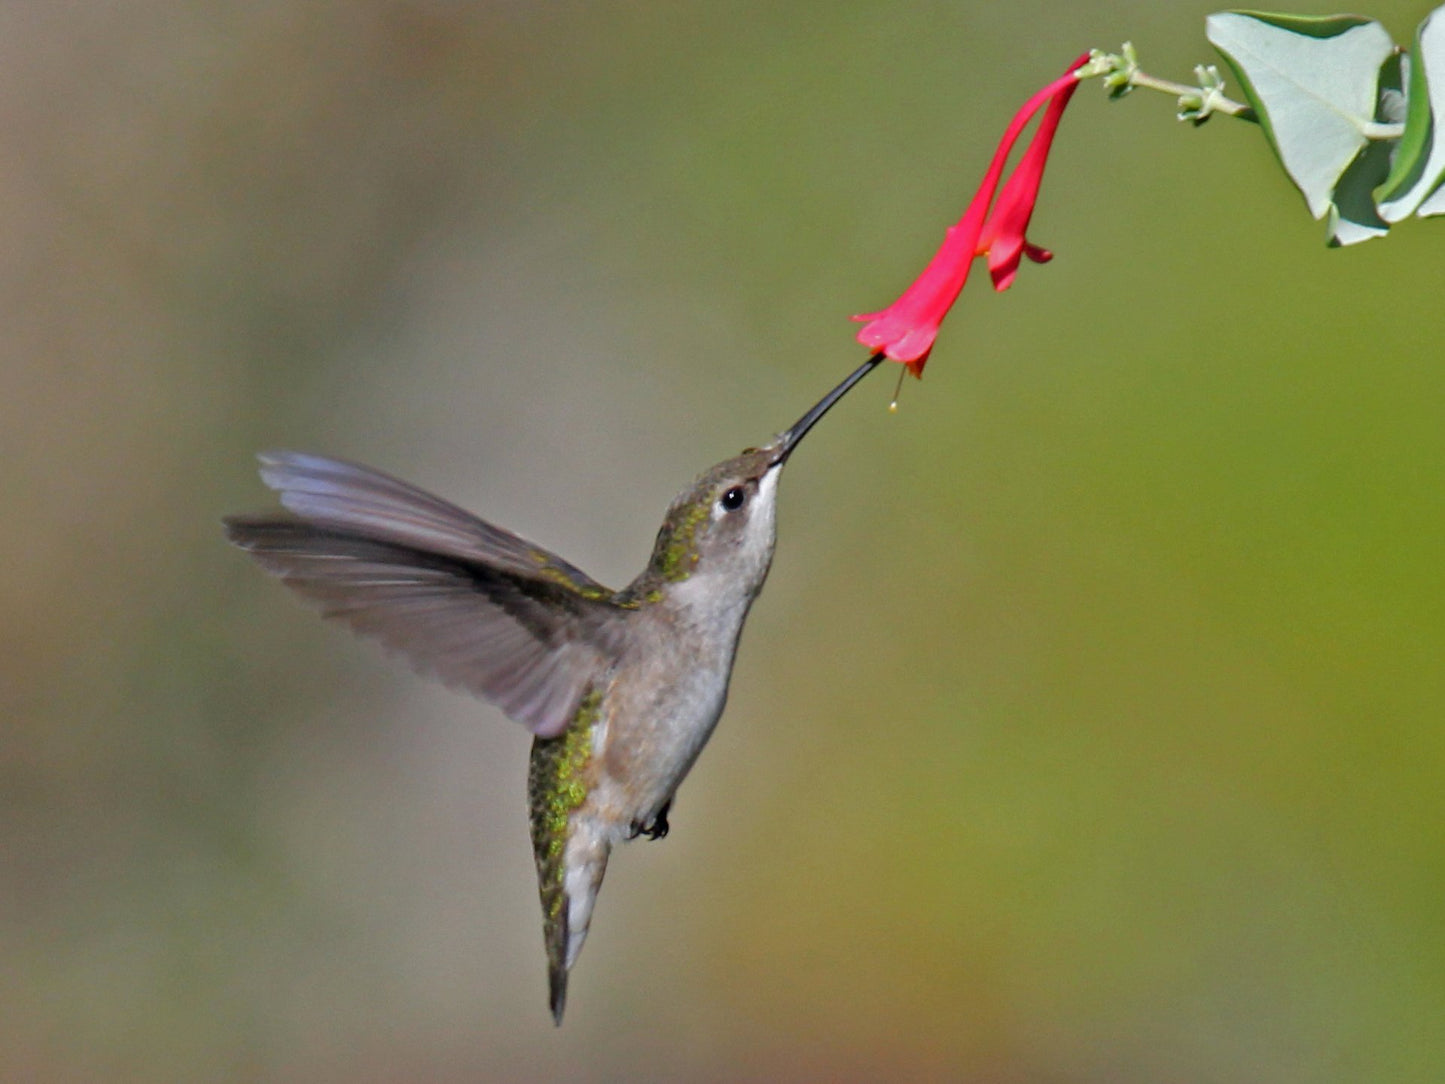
pixel 653 829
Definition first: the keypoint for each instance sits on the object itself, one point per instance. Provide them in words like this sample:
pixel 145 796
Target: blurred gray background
pixel 1090 726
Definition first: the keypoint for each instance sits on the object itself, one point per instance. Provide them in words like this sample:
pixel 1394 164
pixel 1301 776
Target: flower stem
pixel 1121 74
pixel 1183 91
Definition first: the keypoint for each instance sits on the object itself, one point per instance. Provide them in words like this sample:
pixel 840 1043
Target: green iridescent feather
pixel 556 788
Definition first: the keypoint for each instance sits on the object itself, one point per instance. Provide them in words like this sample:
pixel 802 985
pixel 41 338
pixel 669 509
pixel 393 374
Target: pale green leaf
pixel 1314 84
pixel 1434 204
pixel 1352 215
pixel 1420 157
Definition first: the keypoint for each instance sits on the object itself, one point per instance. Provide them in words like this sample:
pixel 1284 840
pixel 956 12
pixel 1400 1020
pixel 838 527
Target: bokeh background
pixel 1090 728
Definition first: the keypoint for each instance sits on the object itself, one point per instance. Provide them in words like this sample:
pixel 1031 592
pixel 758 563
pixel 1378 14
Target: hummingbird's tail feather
pixel 570 847
pixel 568 894
pixel 557 967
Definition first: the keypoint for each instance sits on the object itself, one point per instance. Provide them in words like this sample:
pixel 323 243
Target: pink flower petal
pixel 1003 238
pixel 905 330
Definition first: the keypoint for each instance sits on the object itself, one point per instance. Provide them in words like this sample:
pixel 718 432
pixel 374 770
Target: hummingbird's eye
pixel 733 499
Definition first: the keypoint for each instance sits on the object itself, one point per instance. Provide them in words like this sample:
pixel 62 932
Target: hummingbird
pixel 620 689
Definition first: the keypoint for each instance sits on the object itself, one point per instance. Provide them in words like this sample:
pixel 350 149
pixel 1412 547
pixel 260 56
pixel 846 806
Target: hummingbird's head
pixel 723 525
pixel 722 529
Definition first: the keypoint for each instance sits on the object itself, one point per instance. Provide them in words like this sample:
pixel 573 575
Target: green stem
pixel 1183 91
pixel 1121 74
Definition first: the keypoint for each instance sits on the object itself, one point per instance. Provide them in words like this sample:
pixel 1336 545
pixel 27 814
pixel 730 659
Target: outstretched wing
pixel 476 606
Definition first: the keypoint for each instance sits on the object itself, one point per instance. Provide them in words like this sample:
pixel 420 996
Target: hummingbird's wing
pixel 474 605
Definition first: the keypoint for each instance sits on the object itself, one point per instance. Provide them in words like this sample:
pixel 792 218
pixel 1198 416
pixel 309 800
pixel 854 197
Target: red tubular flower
pixel 905 330
pixel 1003 239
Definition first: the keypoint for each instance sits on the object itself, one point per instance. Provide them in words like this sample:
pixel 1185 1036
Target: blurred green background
pixel 1089 729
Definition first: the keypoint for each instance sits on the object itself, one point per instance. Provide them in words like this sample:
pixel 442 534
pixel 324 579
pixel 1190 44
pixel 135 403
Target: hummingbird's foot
pixel 653 829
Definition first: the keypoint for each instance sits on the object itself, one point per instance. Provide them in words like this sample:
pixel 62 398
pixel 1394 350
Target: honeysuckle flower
pixel 1003 240
pixel 905 330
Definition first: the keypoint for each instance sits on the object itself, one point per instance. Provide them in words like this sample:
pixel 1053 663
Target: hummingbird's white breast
pixel 670 689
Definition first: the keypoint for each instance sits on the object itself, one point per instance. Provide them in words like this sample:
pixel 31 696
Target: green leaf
pixel 1352 216
pixel 1434 204
pixel 1314 84
pixel 1419 157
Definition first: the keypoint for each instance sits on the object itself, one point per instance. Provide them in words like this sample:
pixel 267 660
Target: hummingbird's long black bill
pixel 807 421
